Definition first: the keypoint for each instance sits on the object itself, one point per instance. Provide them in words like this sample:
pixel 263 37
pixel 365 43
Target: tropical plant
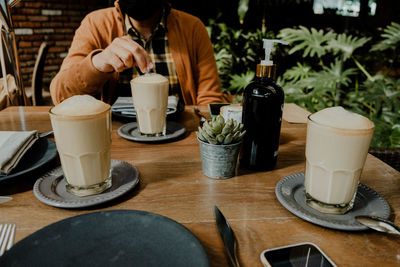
pixel 237 52
pixel 332 73
pixel 391 38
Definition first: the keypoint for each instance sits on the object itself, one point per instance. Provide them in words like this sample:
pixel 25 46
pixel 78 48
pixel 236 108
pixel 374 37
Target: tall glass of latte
pixel 150 98
pixel 336 148
pixel 82 130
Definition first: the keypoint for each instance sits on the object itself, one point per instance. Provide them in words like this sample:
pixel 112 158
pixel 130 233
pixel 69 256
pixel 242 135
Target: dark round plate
pixel 109 238
pixel 42 152
pixel 290 193
pixel 131 132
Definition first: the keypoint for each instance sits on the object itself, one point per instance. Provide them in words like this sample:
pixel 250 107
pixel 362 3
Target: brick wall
pixel 53 21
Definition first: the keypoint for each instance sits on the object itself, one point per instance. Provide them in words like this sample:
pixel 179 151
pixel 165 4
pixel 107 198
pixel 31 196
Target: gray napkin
pixel 13 146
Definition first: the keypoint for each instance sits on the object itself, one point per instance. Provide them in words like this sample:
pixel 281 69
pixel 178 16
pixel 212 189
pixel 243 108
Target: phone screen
pixel 298 255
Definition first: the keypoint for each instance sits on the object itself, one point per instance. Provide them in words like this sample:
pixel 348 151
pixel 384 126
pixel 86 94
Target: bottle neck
pixel 264 71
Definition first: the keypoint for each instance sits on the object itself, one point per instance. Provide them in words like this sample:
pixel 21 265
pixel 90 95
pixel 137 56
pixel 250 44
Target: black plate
pixel 109 238
pixel 42 152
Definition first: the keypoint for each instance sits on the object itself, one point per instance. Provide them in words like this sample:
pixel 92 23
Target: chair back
pixel 9 55
pixel 37 77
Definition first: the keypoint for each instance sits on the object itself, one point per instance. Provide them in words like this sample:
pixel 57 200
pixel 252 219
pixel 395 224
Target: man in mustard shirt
pixel 139 35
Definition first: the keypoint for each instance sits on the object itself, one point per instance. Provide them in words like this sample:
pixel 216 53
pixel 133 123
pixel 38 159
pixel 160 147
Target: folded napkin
pixel 293 113
pixel 13 146
pixel 124 105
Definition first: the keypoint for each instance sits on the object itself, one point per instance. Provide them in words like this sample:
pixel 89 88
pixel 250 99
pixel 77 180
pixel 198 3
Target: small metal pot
pixel 219 161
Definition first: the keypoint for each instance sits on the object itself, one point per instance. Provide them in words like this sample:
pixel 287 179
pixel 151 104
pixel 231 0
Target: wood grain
pixel 172 184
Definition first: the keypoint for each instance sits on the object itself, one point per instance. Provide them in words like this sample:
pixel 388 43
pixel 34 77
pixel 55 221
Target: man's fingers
pixel 139 54
pixel 116 62
pixel 121 54
pixel 125 56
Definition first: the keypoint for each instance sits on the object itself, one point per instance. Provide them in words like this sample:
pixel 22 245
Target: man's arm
pixel 206 76
pixel 93 59
pixel 78 74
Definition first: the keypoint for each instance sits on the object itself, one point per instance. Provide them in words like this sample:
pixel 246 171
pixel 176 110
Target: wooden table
pixel 172 184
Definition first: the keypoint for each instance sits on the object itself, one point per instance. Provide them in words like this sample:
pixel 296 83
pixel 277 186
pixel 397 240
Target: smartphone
pixel 302 254
pixel 214 108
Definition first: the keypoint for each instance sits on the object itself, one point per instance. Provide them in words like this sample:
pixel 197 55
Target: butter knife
pixel 228 236
pixel 5 199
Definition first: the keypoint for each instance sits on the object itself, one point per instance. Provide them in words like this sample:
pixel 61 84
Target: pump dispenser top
pixel 266 68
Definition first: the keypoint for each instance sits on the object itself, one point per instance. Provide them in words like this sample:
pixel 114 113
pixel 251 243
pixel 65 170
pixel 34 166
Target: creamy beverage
pixel 82 130
pixel 336 148
pixel 150 98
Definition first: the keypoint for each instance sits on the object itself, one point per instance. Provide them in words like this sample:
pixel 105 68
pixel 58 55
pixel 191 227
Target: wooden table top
pixel 172 185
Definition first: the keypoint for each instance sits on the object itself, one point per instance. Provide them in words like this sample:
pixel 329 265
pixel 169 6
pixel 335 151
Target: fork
pixel 7 232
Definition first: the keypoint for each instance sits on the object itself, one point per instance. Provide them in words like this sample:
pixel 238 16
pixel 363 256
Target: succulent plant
pixel 221 132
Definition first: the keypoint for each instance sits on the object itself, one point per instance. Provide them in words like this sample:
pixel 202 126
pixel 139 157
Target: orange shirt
pixel 190 47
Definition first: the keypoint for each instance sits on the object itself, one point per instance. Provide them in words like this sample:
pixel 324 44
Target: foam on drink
pixel 82 130
pixel 79 105
pixel 336 148
pixel 152 78
pixel 338 117
pixel 150 98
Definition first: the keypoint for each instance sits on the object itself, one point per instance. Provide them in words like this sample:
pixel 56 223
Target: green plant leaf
pixel 346 44
pixel 224 61
pixel 395 136
pixel 391 38
pixel 329 79
pixel 242 9
pixel 236 50
pixel 325 77
pixel 313 42
pixel 298 72
pixel 381 135
pixel 239 82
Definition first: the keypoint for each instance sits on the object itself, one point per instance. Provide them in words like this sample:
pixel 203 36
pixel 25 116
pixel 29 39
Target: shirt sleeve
pixel 78 74
pixel 206 72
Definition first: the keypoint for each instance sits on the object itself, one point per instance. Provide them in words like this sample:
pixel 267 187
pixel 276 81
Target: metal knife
pixel 228 236
pixel 5 199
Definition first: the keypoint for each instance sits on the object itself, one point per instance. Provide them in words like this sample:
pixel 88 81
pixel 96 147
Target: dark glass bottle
pixel 262 117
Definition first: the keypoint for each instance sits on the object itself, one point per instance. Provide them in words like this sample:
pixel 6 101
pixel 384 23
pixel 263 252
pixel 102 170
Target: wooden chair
pixel 37 77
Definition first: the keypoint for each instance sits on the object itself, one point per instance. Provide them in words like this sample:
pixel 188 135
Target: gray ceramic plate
pixel 110 238
pixel 290 193
pixel 131 132
pixel 41 153
pixel 50 189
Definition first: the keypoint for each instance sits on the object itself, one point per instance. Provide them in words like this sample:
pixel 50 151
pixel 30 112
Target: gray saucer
pixel 290 193
pixel 131 132
pixel 50 188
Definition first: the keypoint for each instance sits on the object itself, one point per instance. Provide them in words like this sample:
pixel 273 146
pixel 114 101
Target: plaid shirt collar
pixel 161 25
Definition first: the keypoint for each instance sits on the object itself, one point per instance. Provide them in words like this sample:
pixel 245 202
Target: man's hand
pixel 123 53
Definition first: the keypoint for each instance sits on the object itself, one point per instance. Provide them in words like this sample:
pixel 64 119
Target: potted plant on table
pixel 220 142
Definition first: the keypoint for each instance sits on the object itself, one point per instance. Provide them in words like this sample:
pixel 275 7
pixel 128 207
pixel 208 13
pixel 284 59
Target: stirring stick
pixel 148 71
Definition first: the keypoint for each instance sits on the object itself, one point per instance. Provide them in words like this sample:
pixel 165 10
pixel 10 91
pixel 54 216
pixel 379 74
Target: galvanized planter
pixel 219 161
